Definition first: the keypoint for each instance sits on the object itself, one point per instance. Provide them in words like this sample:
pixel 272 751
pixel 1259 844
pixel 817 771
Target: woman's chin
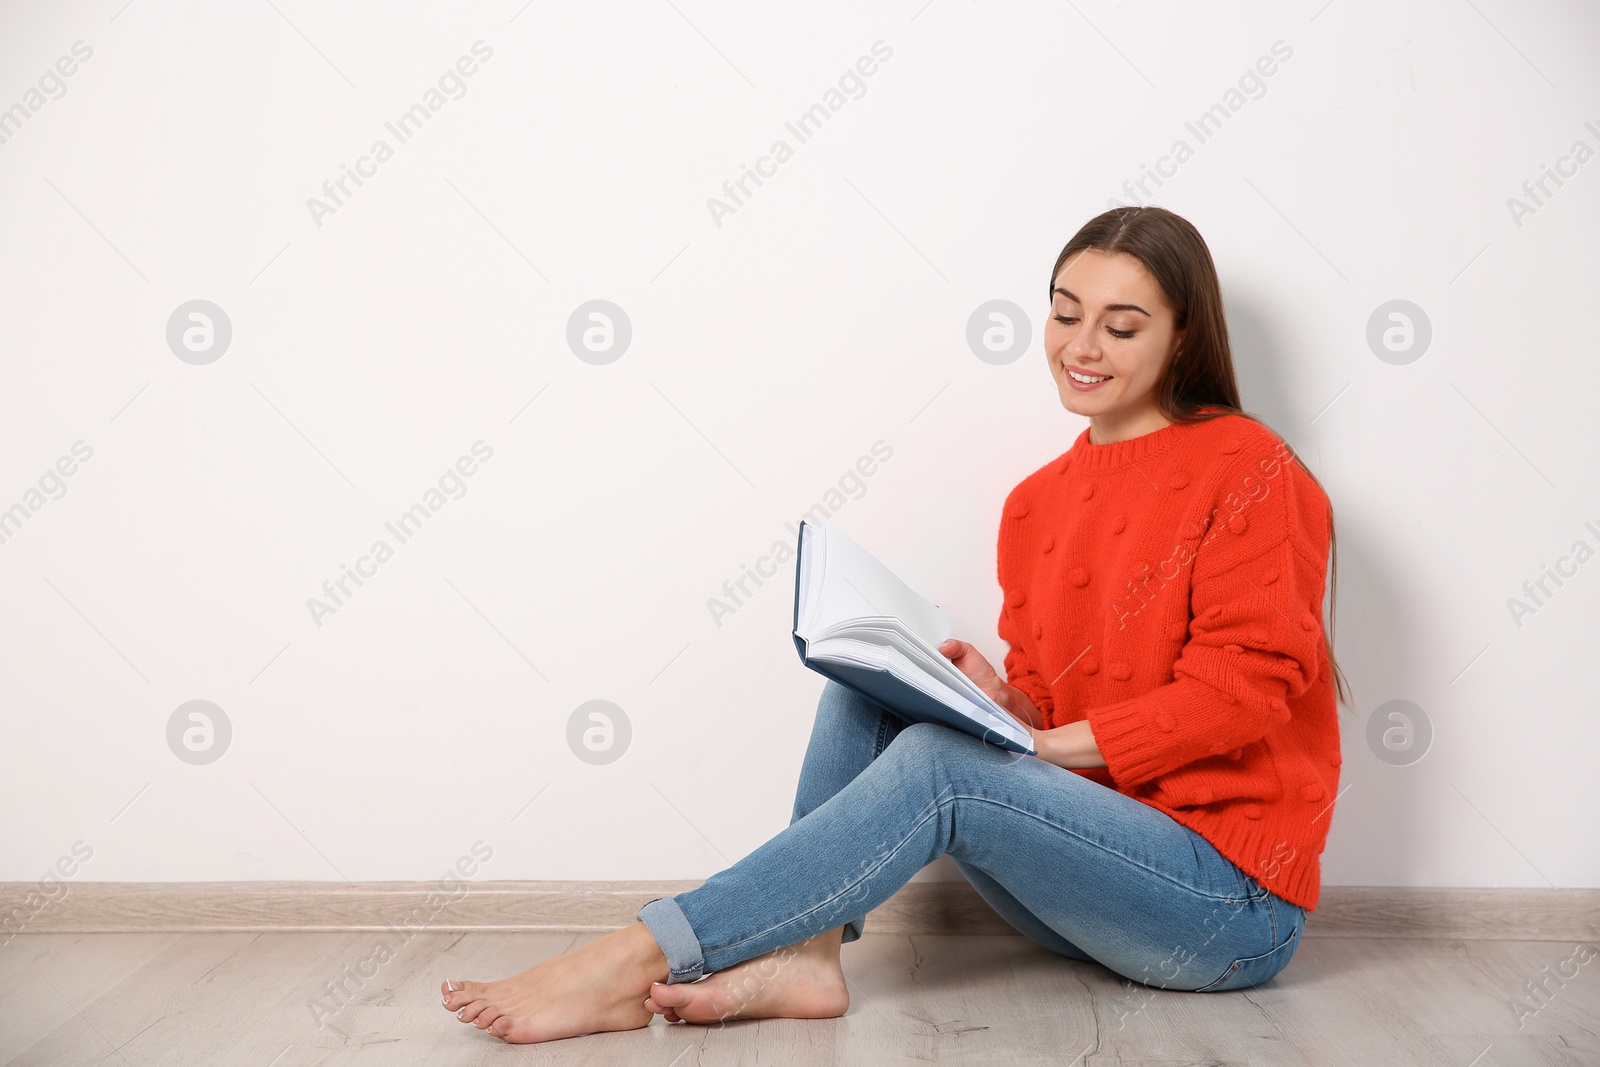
pixel 1075 402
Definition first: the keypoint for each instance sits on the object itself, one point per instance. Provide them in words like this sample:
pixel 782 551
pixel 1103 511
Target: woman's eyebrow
pixel 1109 307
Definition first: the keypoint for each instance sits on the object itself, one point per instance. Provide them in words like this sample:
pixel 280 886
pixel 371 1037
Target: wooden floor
pixel 216 999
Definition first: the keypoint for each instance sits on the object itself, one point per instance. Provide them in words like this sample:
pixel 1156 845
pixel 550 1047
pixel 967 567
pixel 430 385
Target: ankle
pixel 646 956
pixel 815 955
pixel 825 946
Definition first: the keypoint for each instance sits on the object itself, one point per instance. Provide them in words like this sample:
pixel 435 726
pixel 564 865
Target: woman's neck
pixel 1110 428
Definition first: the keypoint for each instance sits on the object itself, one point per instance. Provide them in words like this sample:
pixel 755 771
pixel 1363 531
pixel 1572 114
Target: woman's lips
pixel 1084 387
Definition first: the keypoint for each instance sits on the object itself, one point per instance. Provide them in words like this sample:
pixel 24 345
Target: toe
pixel 471 1011
pixel 666 1011
pixel 669 996
pixel 458 994
pixel 487 1017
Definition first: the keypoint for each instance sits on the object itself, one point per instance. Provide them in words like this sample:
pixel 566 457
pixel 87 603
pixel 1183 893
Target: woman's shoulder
pixel 1233 433
pixel 1260 490
pixel 1241 445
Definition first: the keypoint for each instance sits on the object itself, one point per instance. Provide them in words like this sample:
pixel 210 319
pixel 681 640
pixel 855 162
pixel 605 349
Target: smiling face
pixel 1108 317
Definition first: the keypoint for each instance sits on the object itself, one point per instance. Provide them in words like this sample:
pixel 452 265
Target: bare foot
pixel 801 981
pixel 599 986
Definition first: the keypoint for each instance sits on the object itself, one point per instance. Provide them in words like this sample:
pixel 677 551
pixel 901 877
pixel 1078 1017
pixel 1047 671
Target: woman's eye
pixel 1068 320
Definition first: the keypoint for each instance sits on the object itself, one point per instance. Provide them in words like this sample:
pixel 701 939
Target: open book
pixel 857 623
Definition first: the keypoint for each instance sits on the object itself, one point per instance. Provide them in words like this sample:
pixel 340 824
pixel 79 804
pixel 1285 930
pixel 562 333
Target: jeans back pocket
pixel 1253 970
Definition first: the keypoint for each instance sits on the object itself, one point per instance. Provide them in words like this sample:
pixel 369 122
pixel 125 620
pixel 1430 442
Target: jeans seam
pixel 931 813
pixel 883 732
pixel 1128 859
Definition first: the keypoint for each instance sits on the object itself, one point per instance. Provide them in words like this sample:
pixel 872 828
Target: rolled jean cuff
pixel 675 937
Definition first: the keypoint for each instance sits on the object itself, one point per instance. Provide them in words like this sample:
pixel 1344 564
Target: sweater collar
pixel 1118 455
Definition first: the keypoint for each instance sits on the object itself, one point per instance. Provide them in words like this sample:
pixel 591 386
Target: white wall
pixel 374 345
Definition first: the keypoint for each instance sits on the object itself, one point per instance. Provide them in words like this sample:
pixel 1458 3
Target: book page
pixel 847 590
pixel 853 611
pixel 855 585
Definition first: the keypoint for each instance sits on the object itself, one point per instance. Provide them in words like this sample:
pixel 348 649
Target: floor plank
pixel 221 998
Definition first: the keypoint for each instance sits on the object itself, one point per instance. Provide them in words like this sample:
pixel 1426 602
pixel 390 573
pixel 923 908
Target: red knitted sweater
pixel 1169 589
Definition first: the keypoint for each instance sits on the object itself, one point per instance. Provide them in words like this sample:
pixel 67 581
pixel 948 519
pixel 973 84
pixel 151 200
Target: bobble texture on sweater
pixel 1169 589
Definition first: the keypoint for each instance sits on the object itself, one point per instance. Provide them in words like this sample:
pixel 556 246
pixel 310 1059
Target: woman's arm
pixel 1070 746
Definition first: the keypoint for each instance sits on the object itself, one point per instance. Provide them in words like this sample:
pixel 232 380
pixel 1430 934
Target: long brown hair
pixel 1200 373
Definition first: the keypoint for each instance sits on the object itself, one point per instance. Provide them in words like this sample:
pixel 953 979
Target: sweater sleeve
pixel 1255 642
pixel 1019 667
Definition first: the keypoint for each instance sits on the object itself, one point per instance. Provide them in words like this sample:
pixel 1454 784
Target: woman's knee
pixel 936 737
pixel 934 745
pixel 924 737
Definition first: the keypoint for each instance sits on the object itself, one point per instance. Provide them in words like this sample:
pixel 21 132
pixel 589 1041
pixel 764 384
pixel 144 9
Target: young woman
pixel 1163 584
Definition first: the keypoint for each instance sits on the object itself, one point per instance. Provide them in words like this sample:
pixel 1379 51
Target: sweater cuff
pixel 1134 753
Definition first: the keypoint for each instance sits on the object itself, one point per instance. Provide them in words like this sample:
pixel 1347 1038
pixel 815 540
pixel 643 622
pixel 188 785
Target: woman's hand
pixel 1071 746
pixel 970 662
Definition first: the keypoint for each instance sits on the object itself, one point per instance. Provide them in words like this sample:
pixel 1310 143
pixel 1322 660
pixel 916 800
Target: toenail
pixel 462 1014
pixel 452 985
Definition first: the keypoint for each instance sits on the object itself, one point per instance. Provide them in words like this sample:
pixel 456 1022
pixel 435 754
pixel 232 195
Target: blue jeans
pixel 1082 869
